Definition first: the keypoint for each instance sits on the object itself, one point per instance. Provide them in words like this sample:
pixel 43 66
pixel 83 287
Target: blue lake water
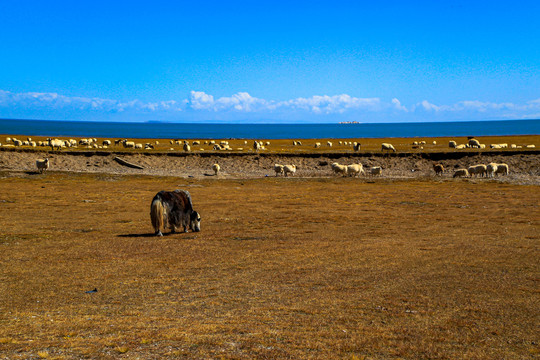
pixel 160 130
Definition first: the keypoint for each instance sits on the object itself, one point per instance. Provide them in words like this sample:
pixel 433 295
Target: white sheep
pixel 532 146
pixel 216 168
pixel 186 147
pixel 42 165
pixel 256 145
pixel 477 170
pixel 491 168
pixel 339 169
pixel 356 146
pixel 137 146
pixel 17 142
pixel 461 146
pixel 474 143
pixel 128 144
pixel 461 173
pixel 375 171
pixel 107 142
pixel 452 144
pixel 355 169
pixel 502 169
pixel 56 143
pixel 317 145
pixel 329 143
pixel 387 146
pixel 289 169
pixel 438 168
pixel 278 169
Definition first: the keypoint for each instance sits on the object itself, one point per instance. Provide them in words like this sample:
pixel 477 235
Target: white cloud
pixel 199 100
pixel 56 101
pixel 242 101
pixel 336 104
pixel 398 106
pixel 200 103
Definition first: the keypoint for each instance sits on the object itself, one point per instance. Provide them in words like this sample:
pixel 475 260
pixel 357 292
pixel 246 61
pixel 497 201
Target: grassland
pixel 301 268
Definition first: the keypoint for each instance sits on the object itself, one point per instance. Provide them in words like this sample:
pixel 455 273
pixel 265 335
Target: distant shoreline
pixel 52 128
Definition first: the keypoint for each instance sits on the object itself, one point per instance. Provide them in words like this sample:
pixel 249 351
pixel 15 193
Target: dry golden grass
pixel 283 268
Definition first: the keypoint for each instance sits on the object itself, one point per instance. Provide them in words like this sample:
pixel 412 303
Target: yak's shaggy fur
pixel 173 209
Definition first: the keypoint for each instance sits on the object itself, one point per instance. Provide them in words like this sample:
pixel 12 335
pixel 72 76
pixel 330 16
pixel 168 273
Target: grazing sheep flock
pixel 490 170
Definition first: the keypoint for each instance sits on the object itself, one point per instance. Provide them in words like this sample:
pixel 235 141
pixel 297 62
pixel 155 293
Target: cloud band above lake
pixel 242 106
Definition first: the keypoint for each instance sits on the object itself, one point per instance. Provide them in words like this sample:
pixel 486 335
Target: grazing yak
pixel 173 209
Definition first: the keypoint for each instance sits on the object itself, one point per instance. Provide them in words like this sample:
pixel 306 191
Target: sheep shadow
pixel 33 173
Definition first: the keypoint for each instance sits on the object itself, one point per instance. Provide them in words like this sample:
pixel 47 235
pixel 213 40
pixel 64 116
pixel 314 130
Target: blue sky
pixel 294 61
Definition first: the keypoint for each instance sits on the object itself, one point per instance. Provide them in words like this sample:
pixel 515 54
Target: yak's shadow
pixel 140 235
pixel 148 235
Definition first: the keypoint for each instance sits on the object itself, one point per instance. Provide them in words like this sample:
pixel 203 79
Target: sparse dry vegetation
pixel 299 268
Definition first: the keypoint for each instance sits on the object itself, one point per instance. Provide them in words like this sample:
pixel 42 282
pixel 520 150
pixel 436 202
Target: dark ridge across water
pixel 163 130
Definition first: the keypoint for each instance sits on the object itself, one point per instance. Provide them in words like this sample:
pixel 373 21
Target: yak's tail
pixel 157 212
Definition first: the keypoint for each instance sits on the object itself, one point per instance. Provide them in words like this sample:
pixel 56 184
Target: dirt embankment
pixel 524 166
